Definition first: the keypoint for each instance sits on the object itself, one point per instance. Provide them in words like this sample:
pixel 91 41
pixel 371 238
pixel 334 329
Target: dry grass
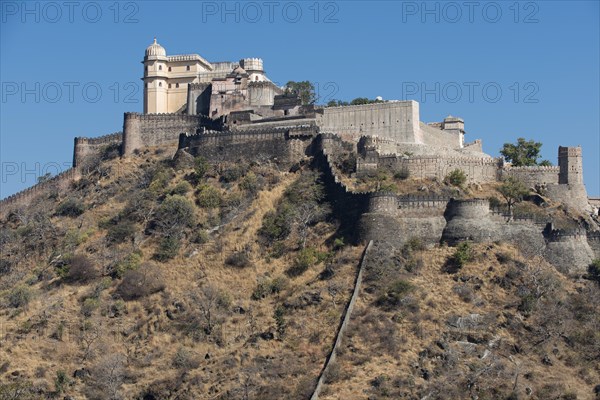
pixel 148 337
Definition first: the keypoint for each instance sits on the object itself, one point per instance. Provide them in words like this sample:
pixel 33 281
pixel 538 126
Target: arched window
pixel 169 86
pixel 177 85
pixel 187 67
pixel 169 69
pixel 160 67
pixel 256 78
pixel 159 84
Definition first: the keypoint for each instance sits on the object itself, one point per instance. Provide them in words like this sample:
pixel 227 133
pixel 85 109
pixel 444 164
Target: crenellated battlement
pixel 105 139
pixel 59 181
pixel 160 116
pixel 533 168
pixel 557 235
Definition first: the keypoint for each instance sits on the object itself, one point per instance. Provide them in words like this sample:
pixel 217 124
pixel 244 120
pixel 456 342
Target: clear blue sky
pixel 509 69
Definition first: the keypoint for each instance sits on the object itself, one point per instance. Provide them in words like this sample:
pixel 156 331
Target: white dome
pixel 156 49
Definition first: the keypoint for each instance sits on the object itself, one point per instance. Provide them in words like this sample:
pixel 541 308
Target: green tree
pixel 523 153
pixel 304 89
pixel 456 177
pixel 513 191
pixel 174 215
pixel 337 103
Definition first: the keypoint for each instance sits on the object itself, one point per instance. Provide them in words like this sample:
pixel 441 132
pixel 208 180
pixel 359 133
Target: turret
pixel 571 165
pixel 155 79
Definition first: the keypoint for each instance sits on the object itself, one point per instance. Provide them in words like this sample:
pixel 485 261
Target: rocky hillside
pixel 158 279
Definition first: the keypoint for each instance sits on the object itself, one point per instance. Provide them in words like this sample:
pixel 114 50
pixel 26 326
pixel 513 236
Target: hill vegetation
pixel 155 279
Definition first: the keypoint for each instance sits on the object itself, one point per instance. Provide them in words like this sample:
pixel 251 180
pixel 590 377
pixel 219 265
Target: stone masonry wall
pixel 477 169
pixel 60 181
pixel 269 145
pixel 146 130
pixel 395 120
pixel 88 146
pixel 531 176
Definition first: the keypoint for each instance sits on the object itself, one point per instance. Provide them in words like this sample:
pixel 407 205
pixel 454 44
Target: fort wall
pixel 436 137
pixel 534 175
pixel 395 120
pixel 568 250
pixel 261 145
pixel 477 169
pixel 593 240
pixel 59 182
pixel 147 130
pixel 85 147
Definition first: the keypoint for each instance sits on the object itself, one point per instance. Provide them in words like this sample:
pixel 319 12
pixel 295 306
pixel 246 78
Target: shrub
pixel 121 231
pixel 276 225
pixel 239 259
pixel 234 173
pixel 250 183
pixel 594 270
pixel 111 151
pixel 184 359
pixel 280 321
pixel 456 177
pixel 159 179
pixel 200 237
pixel 174 215
pixel 200 167
pixel 495 202
pixel 89 306
pixel 208 197
pixel 19 297
pixel 305 259
pixel 402 174
pixel 81 269
pixel 168 248
pixel 132 261
pixel 394 293
pixel 338 244
pixel 144 281
pixel 140 206
pixel 61 380
pixel 413 244
pixel 182 188
pixel 70 208
pixel 462 255
pixel 265 288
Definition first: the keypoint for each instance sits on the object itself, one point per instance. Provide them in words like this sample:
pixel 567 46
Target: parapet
pixel 105 139
pixel 252 64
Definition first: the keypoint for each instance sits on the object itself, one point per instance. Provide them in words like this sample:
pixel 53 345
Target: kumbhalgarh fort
pixel 235 241
pixel 231 111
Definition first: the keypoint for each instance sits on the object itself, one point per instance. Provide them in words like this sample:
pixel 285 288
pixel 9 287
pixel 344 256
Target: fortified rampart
pixel 477 169
pixel 532 176
pixel 568 250
pixel 593 239
pixel 147 130
pixel 395 120
pixel 59 182
pixel 85 147
pixel 283 146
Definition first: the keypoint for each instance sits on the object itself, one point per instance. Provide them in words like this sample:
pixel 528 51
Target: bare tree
pixel 89 334
pixel 211 305
pixel 108 375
